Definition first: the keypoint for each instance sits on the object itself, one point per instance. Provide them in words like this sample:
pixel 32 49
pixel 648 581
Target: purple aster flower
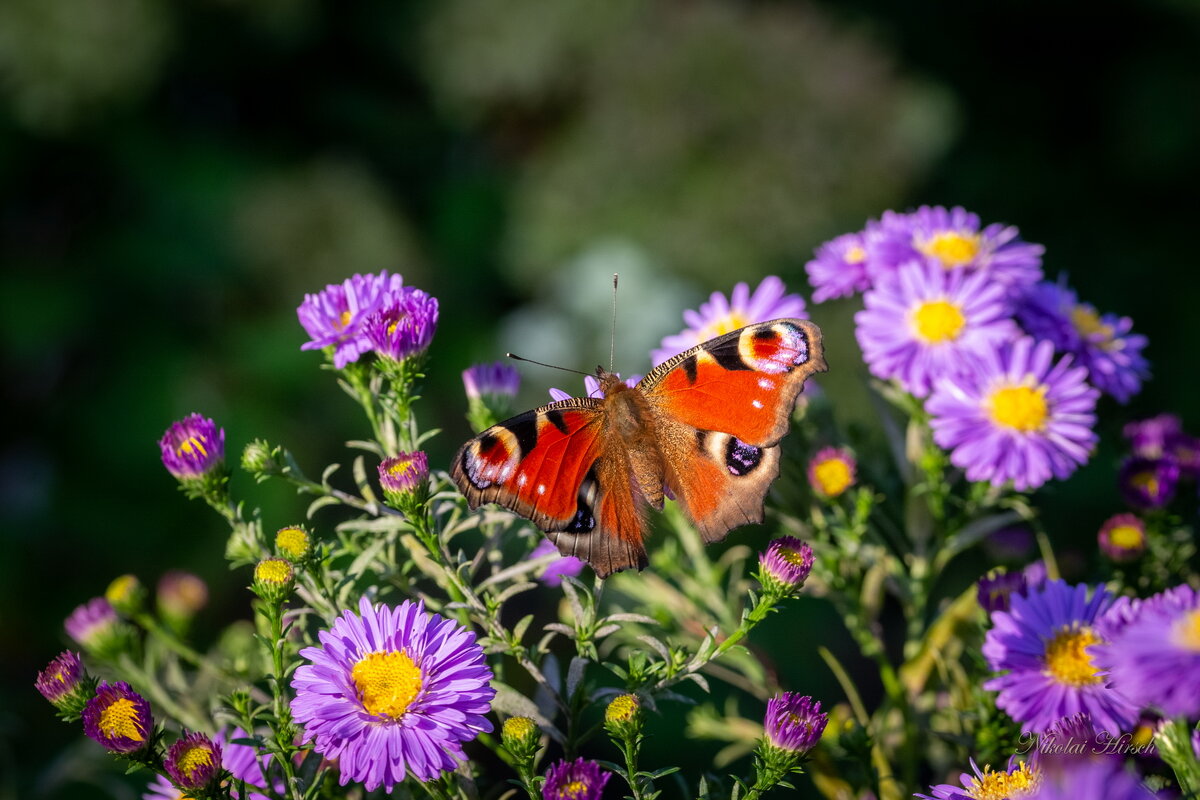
pixel 1151 438
pixel 720 315
pixel 1016 416
pixel 922 322
pixel 335 317
pixel 1185 450
pixel 488 381
pixel 1105 779
pixel 194 761
pixel 64 683
pixel 181 594
pixel 118 718
pixel 575 780
pixel 591 388
pixel 404 472
pixel 1041 644
pixel 553 573
pixel 1018 781
pixel 1126 611
pixel 1103 344
pixel 393 691
pixel 242 761
pixel 953 240
pixel 404 325
pixel 193 447
pixel 831 471
pixel 1154 659
pixel 91 623
pixel 840 268
pixel 785 565
pixel 1122 538
pixel 1148 483
pixel 995 590
pixel 1069 740
pixel 794 722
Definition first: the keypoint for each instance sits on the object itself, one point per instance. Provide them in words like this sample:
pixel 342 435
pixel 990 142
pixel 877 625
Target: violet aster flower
pixel 953 239
pixel 393 691
pixel 1018 781
pixel 1106 779
pixel 92 623
pixel 1151 438
pixel 840 268
pixel 118 718
pixel 193 447
pixel 723 315
pixel 1016 416
pixel 404 325
pixel 65 684
pixel 794 722
pixel 242 761
pixel 335 316
pixel 1148 483
pixel 1103 344
pixel 404 472
pixel 922 322
pixel 1126 611
pixel 996 589
pixel 489 381
pixel 575 780
pixel 591 388
pixel 1042 646
pixel 785 565
pixel 1154 659
pixel 194 761
pixel 553 573
pixel 1122 537
pixel 831 471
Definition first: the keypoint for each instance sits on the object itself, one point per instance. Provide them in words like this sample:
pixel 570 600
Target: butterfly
pixel 703 426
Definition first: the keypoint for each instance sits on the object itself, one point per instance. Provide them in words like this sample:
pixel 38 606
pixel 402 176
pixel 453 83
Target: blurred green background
pixel 175 176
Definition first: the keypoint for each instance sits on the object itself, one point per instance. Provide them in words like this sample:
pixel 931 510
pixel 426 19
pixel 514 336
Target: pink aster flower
pixel 335 317
pixel 393 691
pixel 722 315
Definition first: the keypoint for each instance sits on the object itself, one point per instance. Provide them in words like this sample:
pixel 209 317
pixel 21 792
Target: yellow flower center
pixel 1126 537
pixel 938 321
pixel 1067 657
pixel 1146 481
pixel 120 718
pixel 292 542
pixel 833 476
pixel 343 320
pixel 621 709
pixel 730 322
pixel 1022 408
pixel 401 468
pixel 121 589
pixel 195 758
pixel 190 445
pixel 793 557
pixel 519 728
pixel 387 683
pixel 855 255
pixel 572 790
pixel 1002 785
pixel 273 570
pixel 1089 325
pixel 952 248
pixel 1187 631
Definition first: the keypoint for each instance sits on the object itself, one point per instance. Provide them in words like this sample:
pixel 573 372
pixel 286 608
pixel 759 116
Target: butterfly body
pixel 704 427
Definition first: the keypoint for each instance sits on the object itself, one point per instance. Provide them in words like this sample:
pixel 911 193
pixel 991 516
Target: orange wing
pixel 550 466
pixel 721 409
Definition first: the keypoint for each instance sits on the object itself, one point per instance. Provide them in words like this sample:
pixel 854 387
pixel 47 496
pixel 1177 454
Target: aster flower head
pixel 1122 538
pixel 521 737
pixel 1151 437
pixel 1103 344
pixel 953 240
pixel 784 566
pixel 1069 740
pixel 292 542
pixel 1016 416
pixel 125 594
pixel 1148 483
pixel 922 322
pixel 118 718
pixel 840 268
pixel 794 722
pixel 181 594
pixel 719 315
pixel 65 684
pixel 193 448
pixel 553 573
pixel 335 317
pixel 995 590
pixel 623 718
pixel 194 761
pixel 1020 780
pixel 404 479
pixel 591 388
pixel 96 627
pixel 273 579
pixel 490 391
pixel 392 691
pixel 1154 658
pixel 404 324
pixel 575 780
pixel 1095 779
pixel 832 471
pixel 1043 646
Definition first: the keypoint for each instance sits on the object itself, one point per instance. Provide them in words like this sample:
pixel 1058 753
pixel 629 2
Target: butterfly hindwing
pixel 551 465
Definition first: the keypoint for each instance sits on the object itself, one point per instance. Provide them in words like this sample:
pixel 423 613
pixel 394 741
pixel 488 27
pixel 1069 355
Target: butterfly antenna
pixel 612 335
pixel 516 357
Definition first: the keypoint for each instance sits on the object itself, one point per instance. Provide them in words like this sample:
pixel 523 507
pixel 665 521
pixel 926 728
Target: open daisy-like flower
pixel 1102 343
pixel 575 780
pixel 1019 780
pixel 953 239
pixel 722 315
pixel 393 691
pixel 335 316
pixel 922 323
pixel 1016 415
pixel 1042 645
pixel 840 268
pixel 404 324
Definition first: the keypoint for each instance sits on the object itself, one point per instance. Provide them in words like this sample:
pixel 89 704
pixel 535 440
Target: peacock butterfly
pixel 704 426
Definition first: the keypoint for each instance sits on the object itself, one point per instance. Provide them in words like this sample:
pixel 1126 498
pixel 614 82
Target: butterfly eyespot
pixel 492 458
pixel 773 348
pixel 741 458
